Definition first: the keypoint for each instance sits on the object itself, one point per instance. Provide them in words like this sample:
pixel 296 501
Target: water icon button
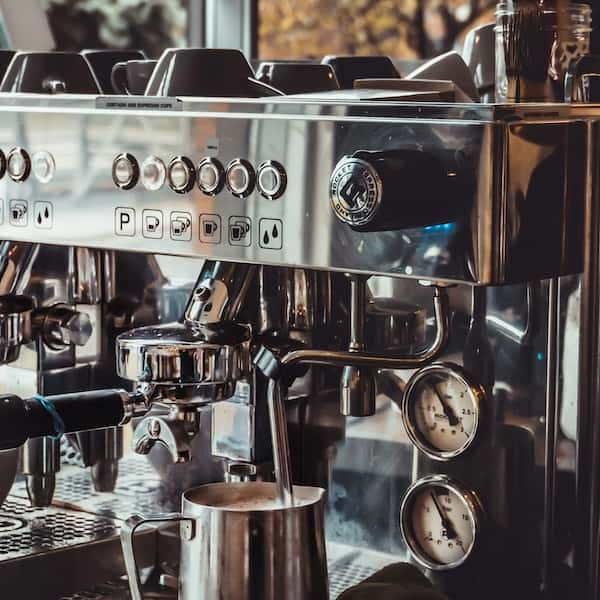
pixel 43 217
pixel 271 234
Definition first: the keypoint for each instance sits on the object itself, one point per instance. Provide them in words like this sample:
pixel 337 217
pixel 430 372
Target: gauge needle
pixel 452 418
pixel 446 523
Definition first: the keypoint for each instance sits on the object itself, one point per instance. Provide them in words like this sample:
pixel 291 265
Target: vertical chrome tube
pixel 587 534
pixel 552 404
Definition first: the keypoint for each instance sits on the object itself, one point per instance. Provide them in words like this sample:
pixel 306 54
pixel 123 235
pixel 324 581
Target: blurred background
pixel 407 29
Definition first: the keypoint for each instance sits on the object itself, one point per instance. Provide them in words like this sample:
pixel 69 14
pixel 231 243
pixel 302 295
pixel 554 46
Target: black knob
pixel 395 189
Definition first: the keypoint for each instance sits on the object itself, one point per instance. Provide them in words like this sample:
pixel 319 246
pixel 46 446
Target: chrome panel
pixel 492 243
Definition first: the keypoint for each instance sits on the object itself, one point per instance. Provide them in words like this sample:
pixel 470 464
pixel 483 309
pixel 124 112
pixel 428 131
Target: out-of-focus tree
pixel 150 25
pixel 401 28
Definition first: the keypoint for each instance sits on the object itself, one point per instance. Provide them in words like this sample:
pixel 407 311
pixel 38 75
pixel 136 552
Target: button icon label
pixel 19 213
pixel 125 221
pixel 152 224
pixel 271 234
pixel 181 226
pixel 240 231
pixel 43 215
pixel 210 229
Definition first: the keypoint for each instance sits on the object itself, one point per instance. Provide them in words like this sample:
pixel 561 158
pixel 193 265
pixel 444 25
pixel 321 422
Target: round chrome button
pixel 154 173
pixel 125 171
pixel 181 174
pixel 272 179
pixel 211 176
pixel 18 164
pixel 43 166
pixel 240 178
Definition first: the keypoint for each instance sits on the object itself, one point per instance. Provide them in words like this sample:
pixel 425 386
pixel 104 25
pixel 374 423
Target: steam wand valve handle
pixel 53 416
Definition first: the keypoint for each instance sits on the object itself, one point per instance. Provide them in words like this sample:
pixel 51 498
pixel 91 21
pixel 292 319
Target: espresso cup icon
pixel 152 223
pixel 210 228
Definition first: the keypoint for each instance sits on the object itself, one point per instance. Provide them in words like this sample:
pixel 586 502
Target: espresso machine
pixel 409 270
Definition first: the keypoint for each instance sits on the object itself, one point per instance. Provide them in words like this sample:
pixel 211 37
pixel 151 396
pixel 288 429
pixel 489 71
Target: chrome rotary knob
pixel 356 191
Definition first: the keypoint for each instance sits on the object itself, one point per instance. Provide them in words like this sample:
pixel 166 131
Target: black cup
pixel 49 73
pixel 103 61
pixel 6 57
pixel 206 72
pixel 348 69
pixel 131 78
pixel 297 77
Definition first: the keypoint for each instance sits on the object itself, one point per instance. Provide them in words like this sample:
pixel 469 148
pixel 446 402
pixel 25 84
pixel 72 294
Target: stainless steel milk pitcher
pixel 239 543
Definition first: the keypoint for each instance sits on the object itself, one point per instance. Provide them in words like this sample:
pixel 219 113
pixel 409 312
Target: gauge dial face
pixel 439 522
pixel 441 410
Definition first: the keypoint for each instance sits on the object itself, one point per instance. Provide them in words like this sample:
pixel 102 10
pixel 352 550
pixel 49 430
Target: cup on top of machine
pixel 298 77
pixel 239 541
pixel 102 62
pixel 49 73
pixel 131 77
pixel 206 72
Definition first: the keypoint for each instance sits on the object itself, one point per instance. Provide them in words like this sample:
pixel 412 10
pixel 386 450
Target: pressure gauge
pixel 440 521
pixel 441 410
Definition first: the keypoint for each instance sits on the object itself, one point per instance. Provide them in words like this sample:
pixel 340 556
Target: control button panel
pixel 18 165
pixel 240 178
pixel 125 171
pixel 271 180
pixel 211 176
pixel 181 174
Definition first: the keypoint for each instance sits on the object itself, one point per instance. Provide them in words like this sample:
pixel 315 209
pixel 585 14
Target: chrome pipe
pixel 343 358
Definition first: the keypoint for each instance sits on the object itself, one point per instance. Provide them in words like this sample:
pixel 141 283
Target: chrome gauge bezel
pixel 472 503
pixel 477 397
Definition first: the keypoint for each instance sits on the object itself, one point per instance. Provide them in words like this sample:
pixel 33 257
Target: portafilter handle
pixel 23 419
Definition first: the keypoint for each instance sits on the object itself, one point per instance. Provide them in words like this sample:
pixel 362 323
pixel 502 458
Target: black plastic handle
pixel 22 419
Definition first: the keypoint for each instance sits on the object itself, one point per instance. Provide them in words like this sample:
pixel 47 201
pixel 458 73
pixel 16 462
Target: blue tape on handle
pixel 57 421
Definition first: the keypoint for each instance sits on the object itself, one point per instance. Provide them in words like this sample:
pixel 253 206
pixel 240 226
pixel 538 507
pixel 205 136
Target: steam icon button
pixel 240 231
pixel 43 215
pixel 210 229
pixel 271 234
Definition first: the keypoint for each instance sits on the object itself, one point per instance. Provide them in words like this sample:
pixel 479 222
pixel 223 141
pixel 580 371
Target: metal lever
pixel 175 434
pixel 272 365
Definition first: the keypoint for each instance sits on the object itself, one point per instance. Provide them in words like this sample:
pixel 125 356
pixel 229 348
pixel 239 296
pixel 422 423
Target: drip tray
pixel 137 490
pixel 47 551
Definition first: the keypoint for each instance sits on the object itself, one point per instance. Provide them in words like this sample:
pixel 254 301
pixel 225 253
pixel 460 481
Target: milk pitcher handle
pixel 127 534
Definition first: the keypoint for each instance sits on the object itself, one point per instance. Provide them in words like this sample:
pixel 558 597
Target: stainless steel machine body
pixel 500 240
